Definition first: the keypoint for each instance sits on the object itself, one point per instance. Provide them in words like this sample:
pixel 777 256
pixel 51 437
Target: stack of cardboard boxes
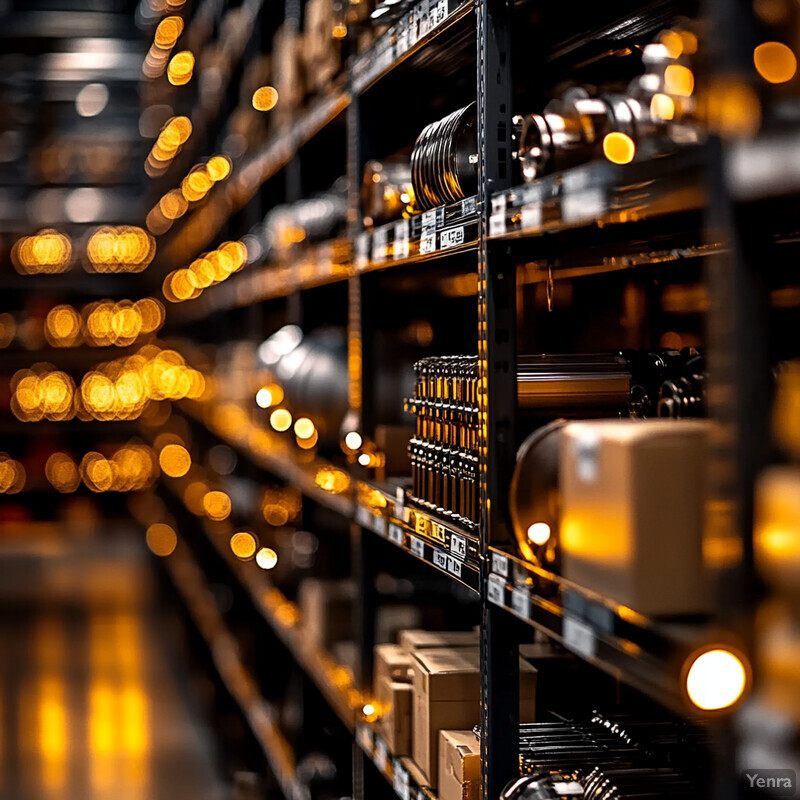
pixel 427 691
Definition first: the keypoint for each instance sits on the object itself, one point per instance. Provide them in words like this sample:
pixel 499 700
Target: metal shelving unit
pixel 511 235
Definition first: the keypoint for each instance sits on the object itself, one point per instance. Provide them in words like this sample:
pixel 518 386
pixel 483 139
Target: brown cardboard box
pixel 417 639
pixel 447 691
pixel 459 766
pixel 392 663
pixel 632 512
pixel 394 724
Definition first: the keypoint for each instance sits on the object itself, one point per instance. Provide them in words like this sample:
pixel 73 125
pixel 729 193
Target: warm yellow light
pixel 339 31
pixel 304 428
pixel 310 442
pixel 331 479
pixel 266 558
pixel 263 397
pixel 199 181
pixel 539 533
pixel 662 106
pixel 618 148
pixel 218 168
pixel 217 505
pixel 62 473
pixel 167 32
pixel 179 71
pixel 673 42
pixel 716 680
pixel 280 419
pixel 161 539
pixel 173 204
pixel 733 109
pixel 775 62
pixel 244 545
pixel 678 80
pixel 364 459
pixel 175 460
pixel 353 440
pixel 265 98
pixel 370 712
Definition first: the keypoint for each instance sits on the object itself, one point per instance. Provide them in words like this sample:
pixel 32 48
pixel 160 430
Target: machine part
pixel 444 165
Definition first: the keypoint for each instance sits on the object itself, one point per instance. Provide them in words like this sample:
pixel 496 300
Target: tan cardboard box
pixel 459 766
pixel 632 512
pixel 392 663
pixel 417 639
pixel 447 691
pixel 394 724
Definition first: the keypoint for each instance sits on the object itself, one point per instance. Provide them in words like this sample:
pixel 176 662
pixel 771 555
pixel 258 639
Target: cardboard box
pixel 392 663
pixel 447 692
pixel 459 766
pixel 327 610
pixel 632 512
pixel 394 724
pixel 417 639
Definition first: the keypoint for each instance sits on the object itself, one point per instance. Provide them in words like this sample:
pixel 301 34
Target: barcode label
pixel 396 534
pixel 500 564
pixel 579 637
pixel 496 590
pixel 452 237
pixel 417 546
pixel 468 206
pixel 521 603
pixel 458 545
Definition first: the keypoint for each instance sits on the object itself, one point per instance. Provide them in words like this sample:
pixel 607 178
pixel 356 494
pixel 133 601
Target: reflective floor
pixel 91 706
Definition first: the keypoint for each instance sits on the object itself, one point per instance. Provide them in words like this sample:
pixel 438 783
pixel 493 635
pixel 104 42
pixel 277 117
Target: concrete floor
pixel 91 707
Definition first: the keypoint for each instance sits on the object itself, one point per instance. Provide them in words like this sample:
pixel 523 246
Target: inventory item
pixel 459 766
pixel 423 640
pixel 443 451
pixel 444 162
pixel 655 113
pixel 446 684
pixel 386 191
pixel 632 497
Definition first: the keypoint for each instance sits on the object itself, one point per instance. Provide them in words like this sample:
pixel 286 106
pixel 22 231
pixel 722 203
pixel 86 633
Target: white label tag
pixel 585 453
pixel 381 755
pixel 364 517
pixel 439 558
pixel 531 217
pixel 400 780
pixel 497 224
pixel 396 535
pixel 582 206
pixel 454 566
pixel 362 250
pixel 379 526
pixel 417 546
pixel 427 244
pixel 400 240
pixel 579 637
pixel 379 240
pixel 500 564
pixel 496 590
pixel 458 545
pixel 452 237
pixel 468 206
pixel 521 603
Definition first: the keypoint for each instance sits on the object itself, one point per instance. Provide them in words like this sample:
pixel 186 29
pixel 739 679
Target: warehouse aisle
pixel 91 708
